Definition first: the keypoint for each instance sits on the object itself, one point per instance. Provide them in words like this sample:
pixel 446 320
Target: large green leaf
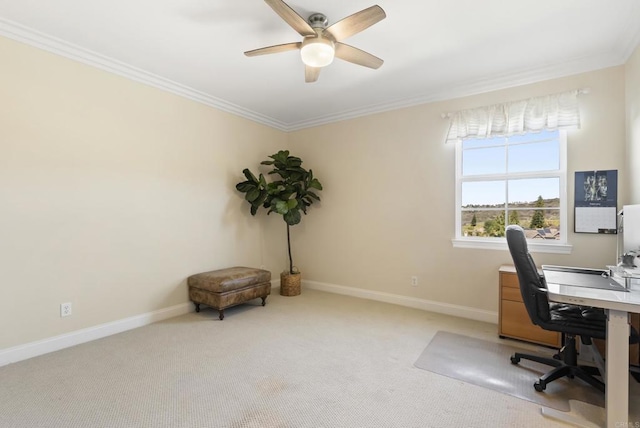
pixel 296 168
pixel 293 161
pixel 292 217
pixel 282 207
pixel 249 175
pixel 260 199
pixel 281 156
pixel 279 192
pixel 245 186
pixel 295 176
pixel 315 184
pixel 253 194
pixel 292 203
pixel 313 195
pixel 275 184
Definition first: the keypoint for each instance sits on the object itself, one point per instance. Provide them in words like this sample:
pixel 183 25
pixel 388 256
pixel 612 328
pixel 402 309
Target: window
pixel 520 179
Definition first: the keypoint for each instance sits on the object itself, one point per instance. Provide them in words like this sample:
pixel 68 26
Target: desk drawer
pixel 508 279
pixel 512 294
pixel 516 324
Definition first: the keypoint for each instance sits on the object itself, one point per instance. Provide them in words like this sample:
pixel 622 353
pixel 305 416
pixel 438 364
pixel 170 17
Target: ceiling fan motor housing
pixel 318 20
pixel 317 51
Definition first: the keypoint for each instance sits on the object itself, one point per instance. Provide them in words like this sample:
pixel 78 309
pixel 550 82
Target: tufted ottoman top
pixel 235 278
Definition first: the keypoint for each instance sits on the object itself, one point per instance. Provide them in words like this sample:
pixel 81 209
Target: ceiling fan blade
pixel 311 74
pixel 274 49
pixel 355 23
pixel 357 56
pixel 290 16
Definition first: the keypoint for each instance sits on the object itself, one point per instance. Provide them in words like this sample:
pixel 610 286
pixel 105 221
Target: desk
pixel 618 305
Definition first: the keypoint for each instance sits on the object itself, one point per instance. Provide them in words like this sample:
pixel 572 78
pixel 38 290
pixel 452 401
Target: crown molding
pixel 20 33
pixel 60 47
pixel 475 87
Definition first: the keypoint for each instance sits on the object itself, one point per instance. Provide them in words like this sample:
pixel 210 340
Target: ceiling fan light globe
pixel 317 52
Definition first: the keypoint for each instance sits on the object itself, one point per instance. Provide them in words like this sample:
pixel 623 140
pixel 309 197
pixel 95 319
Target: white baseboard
pixel 56 343
pixel 41 347
pixel 411 302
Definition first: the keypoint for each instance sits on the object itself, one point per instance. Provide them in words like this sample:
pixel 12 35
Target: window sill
pixel 501 244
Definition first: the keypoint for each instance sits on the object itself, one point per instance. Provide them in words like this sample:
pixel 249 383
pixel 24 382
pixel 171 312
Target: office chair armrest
pixel 540 289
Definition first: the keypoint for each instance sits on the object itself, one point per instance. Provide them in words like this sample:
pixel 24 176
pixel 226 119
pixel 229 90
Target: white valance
pixel 550 112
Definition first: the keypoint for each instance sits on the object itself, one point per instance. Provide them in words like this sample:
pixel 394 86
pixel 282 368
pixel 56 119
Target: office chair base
pixel 561 369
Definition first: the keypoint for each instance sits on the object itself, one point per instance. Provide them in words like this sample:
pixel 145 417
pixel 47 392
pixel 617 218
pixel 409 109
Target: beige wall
pixel 633 125
pixel 388 205
pixel 112 193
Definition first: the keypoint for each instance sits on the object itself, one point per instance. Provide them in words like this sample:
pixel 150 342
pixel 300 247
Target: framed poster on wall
pixel 596 201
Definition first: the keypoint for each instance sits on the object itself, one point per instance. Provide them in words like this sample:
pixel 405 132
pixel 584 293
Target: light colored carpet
pixel 315 360
pixel 487 364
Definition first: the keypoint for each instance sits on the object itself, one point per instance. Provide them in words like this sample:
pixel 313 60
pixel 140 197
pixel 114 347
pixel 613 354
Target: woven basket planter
pixel 290 284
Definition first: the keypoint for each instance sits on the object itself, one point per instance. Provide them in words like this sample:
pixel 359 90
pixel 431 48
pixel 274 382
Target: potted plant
pixel 290 193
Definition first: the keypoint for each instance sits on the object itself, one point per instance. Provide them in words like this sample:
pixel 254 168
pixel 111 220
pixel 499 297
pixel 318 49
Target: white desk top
pixel 607 299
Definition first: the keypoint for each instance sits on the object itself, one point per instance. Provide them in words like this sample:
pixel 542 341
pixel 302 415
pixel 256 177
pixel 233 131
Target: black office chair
pixel 570 320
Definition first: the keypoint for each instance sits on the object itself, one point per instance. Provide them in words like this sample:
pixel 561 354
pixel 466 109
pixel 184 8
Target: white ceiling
pixel 433 49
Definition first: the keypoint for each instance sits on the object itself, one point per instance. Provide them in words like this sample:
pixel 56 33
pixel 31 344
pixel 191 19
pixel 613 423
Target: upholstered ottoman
pixel 224 288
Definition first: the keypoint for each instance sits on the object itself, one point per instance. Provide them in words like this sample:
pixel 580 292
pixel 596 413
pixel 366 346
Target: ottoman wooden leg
pixel 197 307
pixel 264 300
pixel 221 316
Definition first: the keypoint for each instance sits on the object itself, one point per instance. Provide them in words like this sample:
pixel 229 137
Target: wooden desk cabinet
pixel 513 320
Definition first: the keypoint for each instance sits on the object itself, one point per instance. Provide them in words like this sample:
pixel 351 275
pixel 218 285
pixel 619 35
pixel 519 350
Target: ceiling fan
pixel 321 42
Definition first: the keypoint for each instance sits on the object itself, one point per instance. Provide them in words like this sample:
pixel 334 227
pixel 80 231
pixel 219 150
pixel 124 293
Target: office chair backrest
pixel 532 284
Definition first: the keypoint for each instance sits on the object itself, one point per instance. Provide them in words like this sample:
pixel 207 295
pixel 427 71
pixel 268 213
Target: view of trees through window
pixel 511 180
pixel 490 220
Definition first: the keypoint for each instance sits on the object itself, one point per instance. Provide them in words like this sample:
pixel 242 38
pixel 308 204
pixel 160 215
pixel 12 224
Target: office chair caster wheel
pixel 515 360
pixel 540 386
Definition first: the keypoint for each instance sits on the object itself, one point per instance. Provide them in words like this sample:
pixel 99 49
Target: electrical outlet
pixel 65 309
pixel 414 281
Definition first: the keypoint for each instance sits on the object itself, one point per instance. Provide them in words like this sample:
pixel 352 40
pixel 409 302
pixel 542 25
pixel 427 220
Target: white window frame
pixel 560 246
